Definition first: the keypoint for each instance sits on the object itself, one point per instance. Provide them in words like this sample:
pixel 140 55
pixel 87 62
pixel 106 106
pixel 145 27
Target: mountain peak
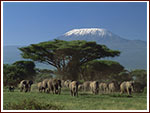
pixel 89 31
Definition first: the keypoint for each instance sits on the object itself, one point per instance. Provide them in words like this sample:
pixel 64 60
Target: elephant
pixel 54 85
pixel 80 87
pixel 30 82
pixel 67 83
pixel 112 87
pixel 11 88
pixel 86 85
pixel 25 85
pixel 94 86
pixel 74 88
pixel 59 86
pixel 127 86
pixel 40 87
pixel 103 87
pixel 45 85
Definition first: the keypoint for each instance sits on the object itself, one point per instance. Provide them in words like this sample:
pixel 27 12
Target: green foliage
pixel 139 75
pixel 18 71
pixel 123 76
pixel 140 78
pixel 27 66
pixel 32 104
pixel 100 70
pixel 67 56
pixel 42 74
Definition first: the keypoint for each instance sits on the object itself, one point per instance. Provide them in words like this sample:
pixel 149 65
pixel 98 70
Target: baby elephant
pixel 11 88
pixel 74 88
pixel 126 86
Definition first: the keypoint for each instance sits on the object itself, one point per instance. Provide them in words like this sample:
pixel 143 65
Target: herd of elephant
pixel 54 85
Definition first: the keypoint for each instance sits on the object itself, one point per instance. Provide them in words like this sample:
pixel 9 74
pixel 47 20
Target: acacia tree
pixel 67 56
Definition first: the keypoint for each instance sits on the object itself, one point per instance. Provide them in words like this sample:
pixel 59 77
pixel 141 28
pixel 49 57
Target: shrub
pixel 31 105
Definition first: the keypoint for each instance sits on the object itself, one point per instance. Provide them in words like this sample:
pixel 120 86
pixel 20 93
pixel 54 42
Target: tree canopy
pixel 67 56
pixel 101 70
pixel 18 71
pixel 140 78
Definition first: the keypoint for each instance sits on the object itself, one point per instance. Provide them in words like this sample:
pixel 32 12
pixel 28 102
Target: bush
pixel 31 105
pixel 138 87
pixel 14 73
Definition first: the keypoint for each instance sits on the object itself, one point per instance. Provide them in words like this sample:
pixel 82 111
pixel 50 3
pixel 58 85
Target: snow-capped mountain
pixel 90 34
pixel 89 31
pixel 133 52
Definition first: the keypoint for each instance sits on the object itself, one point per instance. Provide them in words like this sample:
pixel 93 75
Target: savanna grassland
pixel 85 101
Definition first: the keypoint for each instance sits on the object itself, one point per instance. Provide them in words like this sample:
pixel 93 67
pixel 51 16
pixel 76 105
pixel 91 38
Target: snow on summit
pixel 89 31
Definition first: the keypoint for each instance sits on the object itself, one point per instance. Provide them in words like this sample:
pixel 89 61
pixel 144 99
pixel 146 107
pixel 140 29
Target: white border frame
pixel 74 110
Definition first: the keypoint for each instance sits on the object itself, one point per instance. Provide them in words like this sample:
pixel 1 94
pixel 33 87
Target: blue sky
pixel 28 23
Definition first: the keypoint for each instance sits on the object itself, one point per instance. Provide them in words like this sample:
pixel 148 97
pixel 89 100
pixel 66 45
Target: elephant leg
pixel 128 92
pixel 71 93
pixel 75 93
pixel 59 91
pixel 121 92
pixel 52 89
pixel 97 91
pixel 44 90
pixel 47 90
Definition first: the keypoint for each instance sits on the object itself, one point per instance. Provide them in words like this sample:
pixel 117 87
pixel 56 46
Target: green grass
pixel 85 101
